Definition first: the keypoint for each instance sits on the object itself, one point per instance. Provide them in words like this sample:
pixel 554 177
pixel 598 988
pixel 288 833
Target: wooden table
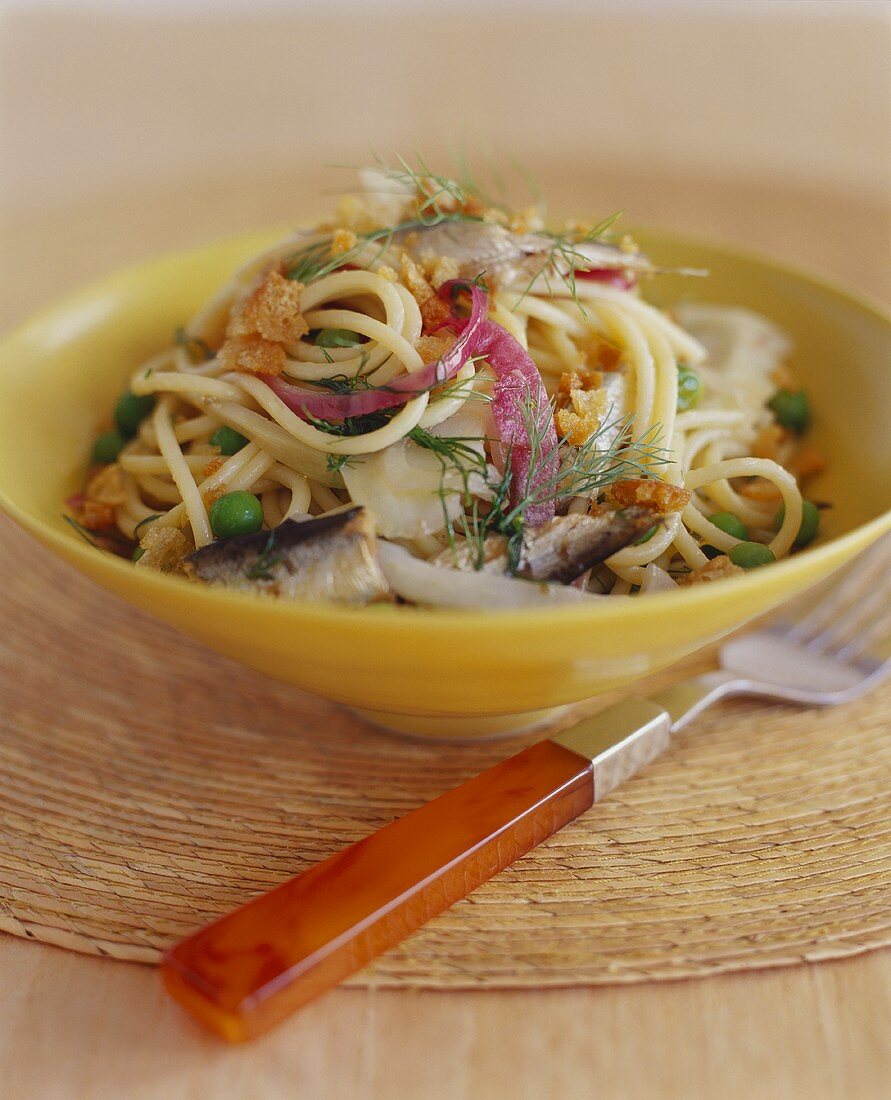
pixel 75 1027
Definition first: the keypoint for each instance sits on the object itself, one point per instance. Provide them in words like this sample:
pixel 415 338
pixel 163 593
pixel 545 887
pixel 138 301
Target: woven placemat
pixel 147 785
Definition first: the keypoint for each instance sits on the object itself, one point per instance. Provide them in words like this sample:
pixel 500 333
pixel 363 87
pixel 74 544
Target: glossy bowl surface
pixel 442 673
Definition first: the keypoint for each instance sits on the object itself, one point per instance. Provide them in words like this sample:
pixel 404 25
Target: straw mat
pixel 148 785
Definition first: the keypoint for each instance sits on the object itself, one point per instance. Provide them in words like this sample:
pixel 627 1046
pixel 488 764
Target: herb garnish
pixel 262 568
pixel 584 471
pixel 197 349
pixel 142 523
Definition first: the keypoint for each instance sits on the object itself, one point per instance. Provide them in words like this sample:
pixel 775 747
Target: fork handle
pixel 250 969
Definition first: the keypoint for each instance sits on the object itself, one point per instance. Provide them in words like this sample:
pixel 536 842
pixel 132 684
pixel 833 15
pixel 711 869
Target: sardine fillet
pixel 332 558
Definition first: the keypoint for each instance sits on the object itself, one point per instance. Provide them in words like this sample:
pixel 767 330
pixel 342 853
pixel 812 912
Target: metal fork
pixel 827 648
pixel 253 967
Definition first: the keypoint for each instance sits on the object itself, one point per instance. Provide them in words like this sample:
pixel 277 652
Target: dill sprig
pixel 316 260
pixel 81 530
pixel 262 568
pixel 198 350
pixel 563 259
pixel 583 471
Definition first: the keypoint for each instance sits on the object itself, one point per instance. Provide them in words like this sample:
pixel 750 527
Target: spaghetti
pixel 470 380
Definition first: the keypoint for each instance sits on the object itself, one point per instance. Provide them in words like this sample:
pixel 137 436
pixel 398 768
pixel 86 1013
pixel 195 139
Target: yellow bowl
pixel 441 672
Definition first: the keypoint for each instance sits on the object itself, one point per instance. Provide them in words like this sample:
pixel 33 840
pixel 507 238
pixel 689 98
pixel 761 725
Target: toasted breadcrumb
pixel 272 310
pixel 442 269
pixel 583 406
pixel 807 462
pixel 773 442
pixel 527 221
pixel 201 448
pixel 387 272
pixel 94 515
pixel 760 489
pixel 354 213
pixel 107 486
pixel 603 356
pixel 213 466
pixel 434 314
pixel 715 570
pixel 344 240
pixel 658 496
pixel 164 549
pixel 413 277
pixel 431 348
pixel 252 354
pixel 783 378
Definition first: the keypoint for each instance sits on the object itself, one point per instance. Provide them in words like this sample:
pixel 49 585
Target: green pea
pixel 647 535
pixel 137 553
pixel 731 525
pixel 810 522
pixel 130 412
pixel 236 514
pixel 228 440
pixel 689 387
pixel 107 447
pixel 337 338
pixel 749 555
pixel 791 409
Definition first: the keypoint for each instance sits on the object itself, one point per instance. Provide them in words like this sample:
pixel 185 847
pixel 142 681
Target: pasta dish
pixel 438 400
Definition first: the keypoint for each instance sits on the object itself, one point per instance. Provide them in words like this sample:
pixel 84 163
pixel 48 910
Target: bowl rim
pixel 398 618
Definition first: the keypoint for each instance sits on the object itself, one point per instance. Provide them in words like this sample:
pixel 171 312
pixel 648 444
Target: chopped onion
pixel 655 579
pixel 420 582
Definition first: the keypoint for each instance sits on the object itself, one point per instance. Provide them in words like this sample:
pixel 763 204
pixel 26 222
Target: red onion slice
pixel 308 403
pixel 519 385
pixel 622 279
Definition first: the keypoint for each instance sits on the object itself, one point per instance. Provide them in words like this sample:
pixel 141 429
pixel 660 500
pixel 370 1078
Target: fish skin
pixel 568 546
pixel 331 558
pixel 481 247
pixel 563 548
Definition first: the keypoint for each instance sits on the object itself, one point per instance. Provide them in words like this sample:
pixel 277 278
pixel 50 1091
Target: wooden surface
pixel 88 1029
pixel 72 1027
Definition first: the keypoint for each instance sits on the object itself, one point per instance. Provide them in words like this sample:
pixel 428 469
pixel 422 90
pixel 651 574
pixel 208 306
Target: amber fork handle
pixel 250 969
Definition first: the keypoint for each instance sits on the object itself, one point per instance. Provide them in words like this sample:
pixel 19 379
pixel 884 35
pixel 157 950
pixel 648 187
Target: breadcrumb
pixel 107 486
pixel 442 269
pixel 783 378
pixel 431 348
pixel 760 489
pixel 164 549
pixel 344 240
pixel 658 496
pixel 413 277
pixel 94 515
pixel 604 356
pixel 773 442
pixel 808 462
pixel 715 570
pixel 213 466
pixel 583 406
pixel 252 354
pixel 272 310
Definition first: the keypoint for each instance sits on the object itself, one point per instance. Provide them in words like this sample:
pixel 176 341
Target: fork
pixel 251 968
